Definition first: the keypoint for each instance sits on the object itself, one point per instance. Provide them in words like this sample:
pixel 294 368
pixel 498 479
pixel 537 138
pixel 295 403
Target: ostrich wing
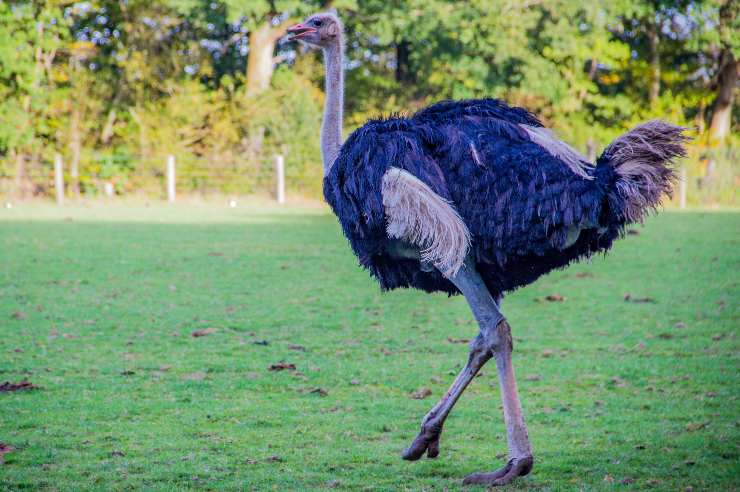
pixel 418 215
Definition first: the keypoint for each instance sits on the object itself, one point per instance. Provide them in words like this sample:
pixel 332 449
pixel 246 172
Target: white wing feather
pixel 418 215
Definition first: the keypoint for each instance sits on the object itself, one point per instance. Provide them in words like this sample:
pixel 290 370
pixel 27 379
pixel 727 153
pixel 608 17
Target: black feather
pixel 517 200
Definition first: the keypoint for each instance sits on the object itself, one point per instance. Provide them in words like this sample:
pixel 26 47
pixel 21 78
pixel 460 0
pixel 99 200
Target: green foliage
pixel 130 82
pixel 99 310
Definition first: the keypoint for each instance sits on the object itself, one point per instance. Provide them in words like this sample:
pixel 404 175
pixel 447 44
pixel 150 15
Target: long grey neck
pixel 331 128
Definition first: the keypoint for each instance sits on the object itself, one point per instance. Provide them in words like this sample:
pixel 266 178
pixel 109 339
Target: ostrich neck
pixel 331 128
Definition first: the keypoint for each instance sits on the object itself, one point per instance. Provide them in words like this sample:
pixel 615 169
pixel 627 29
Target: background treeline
pixel 115 86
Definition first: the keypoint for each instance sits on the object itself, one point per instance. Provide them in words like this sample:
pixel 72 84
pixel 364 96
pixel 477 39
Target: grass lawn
pixel 98 307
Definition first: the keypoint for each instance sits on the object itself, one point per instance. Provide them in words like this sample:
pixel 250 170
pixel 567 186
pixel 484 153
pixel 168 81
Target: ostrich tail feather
pixel 643 162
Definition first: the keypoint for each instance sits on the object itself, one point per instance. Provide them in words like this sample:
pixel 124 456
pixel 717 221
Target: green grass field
pixel 98 307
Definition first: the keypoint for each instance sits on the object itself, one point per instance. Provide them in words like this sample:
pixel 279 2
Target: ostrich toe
pixel 516 467
pixel 427 441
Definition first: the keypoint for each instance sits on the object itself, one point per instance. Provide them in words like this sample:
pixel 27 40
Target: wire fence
pixel 163 177
pixel 707 178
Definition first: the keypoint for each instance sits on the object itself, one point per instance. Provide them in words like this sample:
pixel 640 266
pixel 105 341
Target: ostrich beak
pixel 299 30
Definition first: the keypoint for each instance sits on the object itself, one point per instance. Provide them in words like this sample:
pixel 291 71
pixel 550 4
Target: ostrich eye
pixel 317 23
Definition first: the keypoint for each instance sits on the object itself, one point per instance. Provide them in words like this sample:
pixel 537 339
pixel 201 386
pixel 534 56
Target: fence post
pixel 59 179
pixel 682 189
pixel 280 174
pixel 171 178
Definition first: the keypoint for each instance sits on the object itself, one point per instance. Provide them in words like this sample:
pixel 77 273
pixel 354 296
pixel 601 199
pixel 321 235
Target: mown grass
pixel 97 308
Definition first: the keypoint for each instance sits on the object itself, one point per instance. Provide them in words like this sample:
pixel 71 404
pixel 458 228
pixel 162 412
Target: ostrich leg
pixel 493 341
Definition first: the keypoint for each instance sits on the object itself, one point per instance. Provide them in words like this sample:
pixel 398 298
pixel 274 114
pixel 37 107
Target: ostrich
pixel 477 198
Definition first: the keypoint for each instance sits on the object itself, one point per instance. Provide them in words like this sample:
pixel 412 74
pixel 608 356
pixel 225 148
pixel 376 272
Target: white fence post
pixel 59 179
pixel 280 174
pixel 682 189
pixel 171 178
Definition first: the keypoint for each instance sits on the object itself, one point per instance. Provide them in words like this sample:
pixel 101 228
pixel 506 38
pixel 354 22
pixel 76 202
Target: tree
pixel 30 38
pixel 728 71
pixel 267 21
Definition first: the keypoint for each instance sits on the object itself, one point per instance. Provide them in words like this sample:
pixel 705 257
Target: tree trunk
pixel 403 73
pixel 22 185
pixel 726 83
pixel 653 46
pixel 107 132
pixel 33 166
pixel 260 62
pixel 74 146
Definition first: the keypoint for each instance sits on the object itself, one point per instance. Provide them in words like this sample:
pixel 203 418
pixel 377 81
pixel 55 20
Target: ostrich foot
pixel 516 467
pixel 427 441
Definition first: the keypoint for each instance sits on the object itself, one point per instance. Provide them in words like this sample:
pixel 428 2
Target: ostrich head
pixel 320 30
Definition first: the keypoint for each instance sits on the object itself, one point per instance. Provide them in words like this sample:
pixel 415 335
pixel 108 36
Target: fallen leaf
pixel 194 376
pixel 608 478
pixel 547 353
pixel 204 332
pixel 436 380
pixel 18 350
pixel 333 484
pixel 584 274
pixel 533 377
pixel 274 459
pixel 354 382
pixel 555 298
pixel 299 348
pixel 665 336
pixel 319 391
pixel 281 366
pixel 618 382
pixel 639 446
pixel 718 337
pixel 652 482
pixel 261 342
pixel 215 253
pixel 680 325
pixel 5 448
pixel 127 373
pixel 22 386
pixel 165 367
pixel 627 480
pixel 19 315
pixel 249 461
pixel 629 298
pixel 421 393
pixel 633 232
pixel 695 426
pixel 117 453
pixel 458 340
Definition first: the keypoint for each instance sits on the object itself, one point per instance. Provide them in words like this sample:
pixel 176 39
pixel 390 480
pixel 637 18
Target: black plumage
pixel 521 203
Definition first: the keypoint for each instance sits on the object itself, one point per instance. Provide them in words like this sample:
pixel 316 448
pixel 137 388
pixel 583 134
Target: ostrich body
pixel 478 198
